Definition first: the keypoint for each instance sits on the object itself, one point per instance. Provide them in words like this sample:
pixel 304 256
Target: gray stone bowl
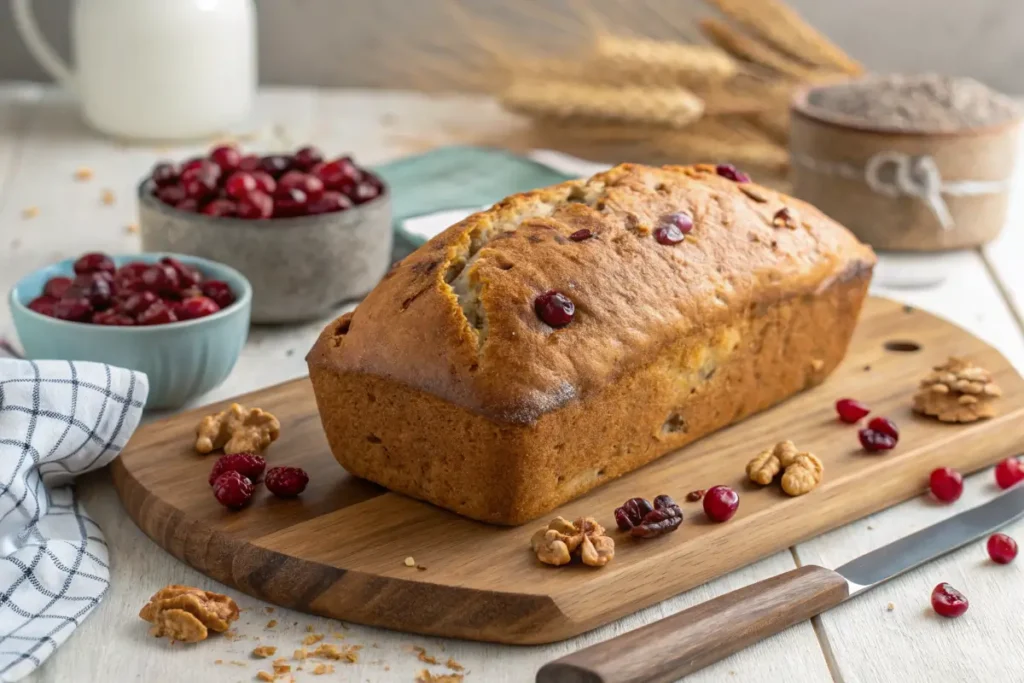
pixel 300 268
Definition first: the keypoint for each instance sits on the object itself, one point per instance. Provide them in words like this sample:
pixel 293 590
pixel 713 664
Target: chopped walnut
pixel 281 667
pixel 802 471
pixel 453 665
pixel 264 651
pixel 237 430
pixel 312 639
pixel 349 654
pixel 187 614
pixel 561 539
pixel 83 173
pixel 264 676
pixel 421 654
pixel 427 677
pixel 957 391
pixel 803 474
pixel 271 624
pixel 321 669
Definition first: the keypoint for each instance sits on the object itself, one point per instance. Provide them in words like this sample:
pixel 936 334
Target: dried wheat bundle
pixel 674 107
pixel 746 94
pixel 659 62
pixel 753 50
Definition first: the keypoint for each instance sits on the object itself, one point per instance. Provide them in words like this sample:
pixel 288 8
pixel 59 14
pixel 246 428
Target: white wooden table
pixel 42 142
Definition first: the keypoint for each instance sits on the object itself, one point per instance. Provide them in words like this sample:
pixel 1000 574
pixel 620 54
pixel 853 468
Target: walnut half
pixel 802 471
pixel 559 541
pixel 237 430
pixel 188 614
pixel 957 391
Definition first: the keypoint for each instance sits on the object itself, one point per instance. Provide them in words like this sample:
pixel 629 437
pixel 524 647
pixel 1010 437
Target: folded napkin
pixel 57 420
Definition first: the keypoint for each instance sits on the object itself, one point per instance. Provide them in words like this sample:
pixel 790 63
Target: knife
pixel 703 634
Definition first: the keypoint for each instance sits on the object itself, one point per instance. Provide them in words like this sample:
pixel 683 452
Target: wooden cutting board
pixel 339 550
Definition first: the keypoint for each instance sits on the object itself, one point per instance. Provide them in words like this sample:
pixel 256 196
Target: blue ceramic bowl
pixel 182 359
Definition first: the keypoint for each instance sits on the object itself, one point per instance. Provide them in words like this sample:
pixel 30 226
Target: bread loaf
pixel 445 385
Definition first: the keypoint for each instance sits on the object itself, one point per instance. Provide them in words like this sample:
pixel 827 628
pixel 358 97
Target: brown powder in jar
pixel 920 103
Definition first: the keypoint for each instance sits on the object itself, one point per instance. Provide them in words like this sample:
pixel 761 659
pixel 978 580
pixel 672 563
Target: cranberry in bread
pixel 569 335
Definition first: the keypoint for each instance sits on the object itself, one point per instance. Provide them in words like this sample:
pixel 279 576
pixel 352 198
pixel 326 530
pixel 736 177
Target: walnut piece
pixel 802 471
pixel 559 541
pixel 237 430
pixel 957 391
pixel 188 614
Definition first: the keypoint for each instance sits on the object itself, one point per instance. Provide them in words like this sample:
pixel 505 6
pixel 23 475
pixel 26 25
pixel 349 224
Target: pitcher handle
pixel 37 45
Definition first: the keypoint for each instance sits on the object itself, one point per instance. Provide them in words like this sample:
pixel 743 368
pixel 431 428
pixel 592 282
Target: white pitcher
pixel 155 69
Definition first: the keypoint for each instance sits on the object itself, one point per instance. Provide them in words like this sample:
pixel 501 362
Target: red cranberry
pixel 188 204
pixel 312 186
pixel 874 441
pixel 112 318
pixel 340 174
pixel 128 277
pixel 56 286
pixel 187 276
pixel 249 465
pixel 137 304
pixel 850 410
pixel 948 601
pixel 581 235
pixel 162 279
pixel 196 307
pixel 554 308
pixel 94 262
pixel 276 164
pixel 946 483
pixel 364 192
pixel 885 426
pixel 1001 548
pixel 1009 472
pixel 265 182
pixel 219 208
pixel 199 186
pixel 249 163
pixel 669 235
pixel 196 163
pixel 330 201
pixel 732 173
pixel 720 503
pixel 74 310
pixel 94 287
pixel 225 156
pixel 157 314
pixel 240 183
pixel 219 291
pixel 43 305
pixel 255 205
pixel 290 202
pixel 232 489
pixel 308 157
pixel 171 195
pixel 164 174
pixel 286 482
pixel 680 220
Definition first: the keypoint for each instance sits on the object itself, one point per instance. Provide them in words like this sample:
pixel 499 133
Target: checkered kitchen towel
pixel 57 420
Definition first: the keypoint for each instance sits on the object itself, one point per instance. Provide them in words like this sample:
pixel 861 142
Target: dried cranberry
pixel 850 410
pixel 137 303
pixel 255 205
pixel 946 484
pixel 171 195
pixel 203 168
pixel 94 262
pixel 554 308
pixel 164 174
pixel 232 489
pixel 195 307
pixel 669 235
pixel 286 482
pixel 187 276
pixel 249 465
pixel 308 157
pixel 249 163
pixel 219 208
pixel 196 163
pixel 219 291
pixel 112 318
pixel 1001 548
pixel 162 279
pixel 95 288
pixel 331 200
pixel 885 426
pixel 632 513
pixel 188 204
pixel 200 187
pixel 265 182
pixel 675 226
pixel 56 286
pixel 157 314
pixel 732 173
pixel 73 310
pixel 666 517
pixel 948 601
pixel 312 186
pixel 276 164
pixel 364 192
pixel 240 183
pixel 43 305
pixel 1009 472
pixel 340 174
pixel 128 277
pixel 720 503
pixel 874 441
pixel 581 235
pixel 694 496
pixel 226 157
pixel 290 202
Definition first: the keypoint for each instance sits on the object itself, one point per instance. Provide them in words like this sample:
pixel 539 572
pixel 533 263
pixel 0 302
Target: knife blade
pixel 690 640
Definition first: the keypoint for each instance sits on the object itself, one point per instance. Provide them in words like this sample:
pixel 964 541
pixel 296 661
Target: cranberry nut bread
pixel 446 384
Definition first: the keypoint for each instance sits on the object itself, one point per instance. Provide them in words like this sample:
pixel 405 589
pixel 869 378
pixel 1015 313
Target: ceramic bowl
pixel 300 268
pixel 182 360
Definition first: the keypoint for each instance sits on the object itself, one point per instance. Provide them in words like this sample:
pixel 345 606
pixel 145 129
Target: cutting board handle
pixel 690 640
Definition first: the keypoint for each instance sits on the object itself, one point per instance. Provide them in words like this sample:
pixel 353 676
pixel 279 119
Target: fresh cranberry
pixel 239 184
pixel 946 483
pixel 199 186
pixel 190 205
pixel 1001 548
pixel 171 195
pixel 340 174
pixel 265 182
pixel 219 291
pixel 162 279
pixel 112 318
pixel 276 164
pixel 94 262
pixel 196 307
pixel 137 304
pixel 364 192
pixel 94 287
pixel 225 156
pixel 43 305
pixel 1009 472
pixel 885 426
pixel 286 482
pixel 249 465
pixel 581 235
pixel 219 208
pixel 74 310
pixel 720 503
pixel 255 205
pixel 187 276
pixel 851 410
pixel 329 202
pixel 164 174
pixel 56 286
pixel 232 489
pixel 948 601
pixel 874 441
pixel 289 203
pixel 249 163
pixel 312 186
pixel 157 314
pixel 732 173
pixel 307 157
pixel 554 308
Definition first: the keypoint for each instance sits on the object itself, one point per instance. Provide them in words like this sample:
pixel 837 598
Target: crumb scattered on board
pixel 265 676
pixel 83 173
pixel 312 638
pixel 272 623
pixel 30 212
pixel 107 197
pixel 132 228
pixel 321 669
pixel 421 654
pixel 453 665
pixel 427 677
pixel 410 562
pixel 264 651
pixel 890 607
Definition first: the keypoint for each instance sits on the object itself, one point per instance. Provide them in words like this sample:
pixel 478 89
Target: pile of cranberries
pixel 234 478
pixel 231 184
pixel 135 294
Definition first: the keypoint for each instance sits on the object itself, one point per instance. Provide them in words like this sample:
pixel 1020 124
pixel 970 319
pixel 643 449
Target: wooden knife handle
pixel 690 640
